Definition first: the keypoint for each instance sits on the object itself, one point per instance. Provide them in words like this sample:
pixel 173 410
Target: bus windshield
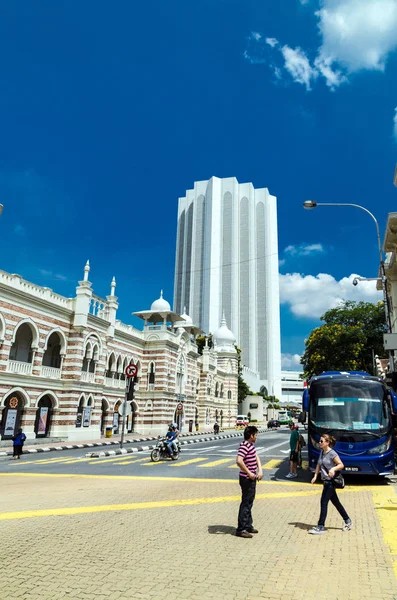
pixel 354 406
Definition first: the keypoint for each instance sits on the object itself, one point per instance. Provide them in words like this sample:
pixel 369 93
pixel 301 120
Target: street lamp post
pixel 309 204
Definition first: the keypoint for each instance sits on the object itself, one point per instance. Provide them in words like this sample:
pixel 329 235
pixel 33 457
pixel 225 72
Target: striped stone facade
pixel 62 364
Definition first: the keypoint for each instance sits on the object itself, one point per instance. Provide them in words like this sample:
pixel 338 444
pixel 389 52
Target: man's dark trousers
pixel 248 489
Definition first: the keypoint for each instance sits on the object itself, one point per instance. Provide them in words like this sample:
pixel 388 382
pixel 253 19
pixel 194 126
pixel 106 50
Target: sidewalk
pixel 121 537
pixel 115 441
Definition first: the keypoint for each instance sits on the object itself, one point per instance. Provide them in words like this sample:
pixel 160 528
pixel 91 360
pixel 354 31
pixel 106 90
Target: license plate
pixel 352 468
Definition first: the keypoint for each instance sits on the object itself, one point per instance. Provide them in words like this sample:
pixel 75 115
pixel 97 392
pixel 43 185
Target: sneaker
pixel 289 475
pixel 294 475
pixel 244 534
pixel 348 525
pixel 317 530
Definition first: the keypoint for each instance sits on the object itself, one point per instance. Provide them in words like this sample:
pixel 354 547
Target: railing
pixel 22 368
pixel 117 383
pixel 17 282
pixel 50 372
pixel 99 307
pixel 88 376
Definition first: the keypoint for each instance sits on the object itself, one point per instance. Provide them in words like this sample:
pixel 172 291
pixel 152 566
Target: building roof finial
pixel 86 270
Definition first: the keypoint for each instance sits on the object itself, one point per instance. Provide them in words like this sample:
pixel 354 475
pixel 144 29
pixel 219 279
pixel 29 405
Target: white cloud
pixel 359 34
pixel 291 362
pixel 309 296
pixel 271 42
pixel 333 78
pixel 255 35
pixel 395 123
pixel 298 66
pixel 304 249
pixel 355 35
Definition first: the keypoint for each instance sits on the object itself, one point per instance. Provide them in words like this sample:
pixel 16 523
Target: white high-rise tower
pixel 227 261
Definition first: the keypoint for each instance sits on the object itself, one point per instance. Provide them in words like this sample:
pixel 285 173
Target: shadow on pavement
pixel 225 529
pixel 307 527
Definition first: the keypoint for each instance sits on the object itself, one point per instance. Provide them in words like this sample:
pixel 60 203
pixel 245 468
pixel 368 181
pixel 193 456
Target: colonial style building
pixel 63 361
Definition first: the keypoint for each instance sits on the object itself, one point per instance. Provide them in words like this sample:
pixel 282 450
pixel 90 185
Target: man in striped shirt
pixel 250 472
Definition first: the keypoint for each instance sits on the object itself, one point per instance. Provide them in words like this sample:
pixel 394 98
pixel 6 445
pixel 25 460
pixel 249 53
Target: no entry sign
pixel 131 371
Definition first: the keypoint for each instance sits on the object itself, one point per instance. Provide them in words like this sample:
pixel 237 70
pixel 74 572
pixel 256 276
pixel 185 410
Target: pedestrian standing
pixel 294 449
pixel 328 464
pixel 18 442
pixel 250 472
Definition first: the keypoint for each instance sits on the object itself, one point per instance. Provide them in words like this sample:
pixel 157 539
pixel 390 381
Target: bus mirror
pixel 393 397
pixel 305 401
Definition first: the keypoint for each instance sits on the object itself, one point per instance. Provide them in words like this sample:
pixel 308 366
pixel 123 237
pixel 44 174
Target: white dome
pixel 188 320
pixel 160 305
pixel 223 338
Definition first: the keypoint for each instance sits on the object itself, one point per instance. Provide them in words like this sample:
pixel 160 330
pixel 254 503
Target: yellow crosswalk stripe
pixel 99 461
pixel 272 464
pixel 215 463
pixel 187 462
pixel 45 461
pixel 130 461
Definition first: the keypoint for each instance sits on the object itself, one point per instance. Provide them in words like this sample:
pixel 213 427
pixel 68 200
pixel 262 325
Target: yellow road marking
pixel 99 461
pixel 50 512
pixel 385 499
pixel 234 467
pixel 53 460
pixel 288 483
pixel 215 463
pixel 272 464
pixel 129 461
pixel 187 462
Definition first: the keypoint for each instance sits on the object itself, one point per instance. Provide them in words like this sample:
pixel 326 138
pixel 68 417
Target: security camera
pixel 355 281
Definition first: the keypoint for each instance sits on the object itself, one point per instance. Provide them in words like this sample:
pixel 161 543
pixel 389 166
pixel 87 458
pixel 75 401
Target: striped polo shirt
pixel 247 451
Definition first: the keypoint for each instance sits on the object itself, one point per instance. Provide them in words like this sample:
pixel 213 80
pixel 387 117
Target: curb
pixel 182 443
pixel 101 444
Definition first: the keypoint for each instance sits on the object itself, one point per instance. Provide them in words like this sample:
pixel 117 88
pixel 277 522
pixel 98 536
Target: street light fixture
pixel 1 208
pixel 309 204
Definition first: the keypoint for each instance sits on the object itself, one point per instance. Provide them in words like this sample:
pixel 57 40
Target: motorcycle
pixel 161 451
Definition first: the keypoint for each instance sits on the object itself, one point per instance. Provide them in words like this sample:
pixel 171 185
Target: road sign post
pixel 130 372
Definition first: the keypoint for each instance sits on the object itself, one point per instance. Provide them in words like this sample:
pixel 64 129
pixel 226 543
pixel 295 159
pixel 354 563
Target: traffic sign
pixel 131 371
pixel 128 409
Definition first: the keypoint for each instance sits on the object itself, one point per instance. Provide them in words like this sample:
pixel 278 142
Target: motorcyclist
pixel 170 437
pixel 175 442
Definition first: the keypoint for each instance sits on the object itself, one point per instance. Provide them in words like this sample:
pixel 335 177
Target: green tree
pixel 243 389
pixel 350 335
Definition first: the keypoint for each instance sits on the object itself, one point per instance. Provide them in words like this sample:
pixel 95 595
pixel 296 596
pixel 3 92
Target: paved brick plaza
pixel 174 538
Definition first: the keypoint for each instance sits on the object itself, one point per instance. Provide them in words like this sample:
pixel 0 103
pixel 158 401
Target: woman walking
pixel 18 442
pixel 328 464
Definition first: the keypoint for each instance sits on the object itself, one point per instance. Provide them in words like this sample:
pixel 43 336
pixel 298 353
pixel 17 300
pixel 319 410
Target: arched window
pixel 87 357
pixel 221 394
pixel 229 395
pixel 111 365
pixel 180 374
pixel 216 390
pixel 151 376
pixel 21 350
pixel 52 354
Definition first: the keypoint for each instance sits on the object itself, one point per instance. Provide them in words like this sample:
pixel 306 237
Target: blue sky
pixel 109 112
